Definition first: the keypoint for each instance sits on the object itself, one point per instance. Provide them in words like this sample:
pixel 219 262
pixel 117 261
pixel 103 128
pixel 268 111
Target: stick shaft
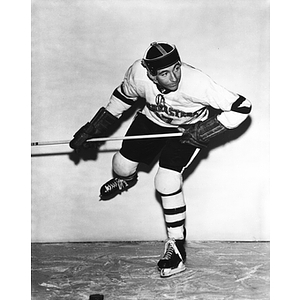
pixel 113 138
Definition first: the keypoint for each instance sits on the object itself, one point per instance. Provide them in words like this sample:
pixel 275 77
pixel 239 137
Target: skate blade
pixel 169 272
pixel 106 198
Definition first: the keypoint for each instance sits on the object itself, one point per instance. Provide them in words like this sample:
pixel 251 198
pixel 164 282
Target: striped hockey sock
pixel 175 213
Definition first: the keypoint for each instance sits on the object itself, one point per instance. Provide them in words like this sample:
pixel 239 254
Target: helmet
pixel 160 55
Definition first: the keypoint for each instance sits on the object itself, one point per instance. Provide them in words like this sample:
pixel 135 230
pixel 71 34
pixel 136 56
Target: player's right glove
pixel 97 127
pixel 200 133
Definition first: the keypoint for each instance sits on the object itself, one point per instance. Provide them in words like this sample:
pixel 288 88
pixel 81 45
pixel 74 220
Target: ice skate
pixel 116 186
pixel 173 259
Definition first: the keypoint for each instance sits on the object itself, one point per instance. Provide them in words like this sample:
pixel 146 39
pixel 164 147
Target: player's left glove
pixel 97 127
pixel 200 133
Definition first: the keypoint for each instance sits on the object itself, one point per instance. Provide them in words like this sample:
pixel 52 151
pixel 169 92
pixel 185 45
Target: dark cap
pixel 159 56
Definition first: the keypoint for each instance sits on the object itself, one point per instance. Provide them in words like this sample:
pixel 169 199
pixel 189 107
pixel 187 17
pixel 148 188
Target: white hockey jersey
pixel 187 105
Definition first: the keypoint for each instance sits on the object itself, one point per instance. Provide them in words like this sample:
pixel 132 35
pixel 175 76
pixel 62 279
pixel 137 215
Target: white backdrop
pixel 80 52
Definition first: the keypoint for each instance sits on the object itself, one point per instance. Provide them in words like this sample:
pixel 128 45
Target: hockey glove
pixel 97 127
pixel 200 133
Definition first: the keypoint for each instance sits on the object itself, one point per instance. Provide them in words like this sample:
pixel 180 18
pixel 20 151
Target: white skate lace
pixel 170 247
pixel 120 183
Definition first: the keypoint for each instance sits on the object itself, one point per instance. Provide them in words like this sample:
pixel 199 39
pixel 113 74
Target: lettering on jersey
pixel 161 107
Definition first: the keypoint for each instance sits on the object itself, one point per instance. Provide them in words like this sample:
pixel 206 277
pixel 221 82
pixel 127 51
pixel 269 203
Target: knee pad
pixel 167 181
pixel 123 166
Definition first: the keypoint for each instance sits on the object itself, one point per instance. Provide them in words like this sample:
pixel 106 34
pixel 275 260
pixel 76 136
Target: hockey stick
pixel 113 138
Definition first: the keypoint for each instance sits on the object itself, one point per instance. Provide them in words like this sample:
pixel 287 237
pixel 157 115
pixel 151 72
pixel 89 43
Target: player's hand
pixel 191 136
pixel 91 145
pixel 81 136
pixel 200 133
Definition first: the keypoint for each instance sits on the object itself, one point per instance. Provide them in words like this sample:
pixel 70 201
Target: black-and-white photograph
pixel 150 149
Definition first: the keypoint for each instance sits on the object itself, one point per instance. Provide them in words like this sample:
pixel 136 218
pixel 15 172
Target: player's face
pixel 169 78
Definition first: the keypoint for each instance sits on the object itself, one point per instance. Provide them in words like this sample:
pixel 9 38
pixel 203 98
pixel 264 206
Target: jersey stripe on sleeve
pixel 121 97
pixel 240 105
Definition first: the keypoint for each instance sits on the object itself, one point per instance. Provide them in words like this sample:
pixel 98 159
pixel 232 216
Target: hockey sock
pixel 175 213
pixel 132 177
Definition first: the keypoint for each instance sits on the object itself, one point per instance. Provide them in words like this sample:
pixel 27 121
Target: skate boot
pixel 116 186
pixel 173 259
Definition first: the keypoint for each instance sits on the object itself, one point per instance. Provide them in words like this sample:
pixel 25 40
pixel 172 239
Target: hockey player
pixel 177 97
